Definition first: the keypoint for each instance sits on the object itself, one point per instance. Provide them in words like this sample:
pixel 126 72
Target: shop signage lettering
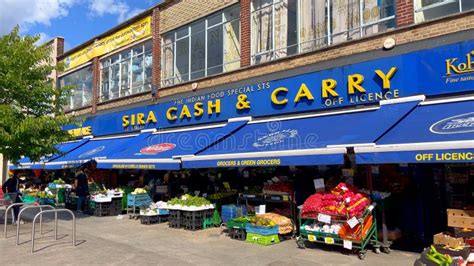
pixel 445 156
pixel 133 166
pixel 79 132
pixel 243 163
pixel 421 72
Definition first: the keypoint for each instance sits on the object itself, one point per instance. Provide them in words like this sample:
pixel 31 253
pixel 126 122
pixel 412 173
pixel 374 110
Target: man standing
pixel 82 189
pixel 11 187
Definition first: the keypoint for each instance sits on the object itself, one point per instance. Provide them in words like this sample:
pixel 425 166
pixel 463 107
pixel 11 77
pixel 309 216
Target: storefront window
pixel 431 9
pixel 126 73
pixel 285 27
pixel 80 83
pixel 206 47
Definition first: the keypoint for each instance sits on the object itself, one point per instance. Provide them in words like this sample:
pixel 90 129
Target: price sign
pixel 275 198
pixel 353 222
pixel 347 244
pixel 324 218
pixel 197 192
pixel 286 198
pixel 275 179
pixel 269 182
pixel 204 195
pixel 319 184
pixel 329 240
pixel 312 238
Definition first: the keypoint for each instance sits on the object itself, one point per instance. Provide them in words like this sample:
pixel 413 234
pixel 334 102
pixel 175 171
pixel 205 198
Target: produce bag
pixel 285 224
pixel 358 232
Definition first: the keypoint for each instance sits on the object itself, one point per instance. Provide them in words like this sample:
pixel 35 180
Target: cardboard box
pixel 461 218
pixel 445 240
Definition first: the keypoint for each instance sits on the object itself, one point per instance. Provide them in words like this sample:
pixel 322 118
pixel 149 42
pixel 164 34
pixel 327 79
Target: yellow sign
pixel 82 131
pixel 238 163
pixel 445 156
pixel 312 238
pixel 453 66
pixel 123 37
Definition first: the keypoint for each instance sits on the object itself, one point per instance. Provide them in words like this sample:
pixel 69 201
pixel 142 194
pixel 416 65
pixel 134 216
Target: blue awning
pixel 317 139
pixel 434 132
pixel 63 148
pixel 95 148
pixel 160 150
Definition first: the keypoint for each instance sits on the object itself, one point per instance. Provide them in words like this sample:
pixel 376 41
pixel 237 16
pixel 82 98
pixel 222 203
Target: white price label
pixel 275 179
pixel 324 218
pixel 347 244
pixel 353 222
pixel 319 184
pixel 329 240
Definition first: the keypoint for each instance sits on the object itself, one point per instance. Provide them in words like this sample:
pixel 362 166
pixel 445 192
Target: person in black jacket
pixel 12 188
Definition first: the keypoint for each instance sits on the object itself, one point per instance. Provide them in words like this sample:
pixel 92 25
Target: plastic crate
pixel 232 211
pixel 29 199
pixel 175 214
pixel 174 223
pixel 138 200
pixel 47 201
pixel 153 219
pixel 263 240
pixel 233 224
pixel 193 225
pixel 238 234
pixel 261 230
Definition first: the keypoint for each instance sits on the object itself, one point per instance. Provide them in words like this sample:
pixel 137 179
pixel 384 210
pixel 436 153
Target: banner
pixel 123 37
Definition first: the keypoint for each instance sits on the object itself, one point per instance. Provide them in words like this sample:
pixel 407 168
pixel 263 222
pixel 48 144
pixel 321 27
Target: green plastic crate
pixel 262 240
pixel 233 224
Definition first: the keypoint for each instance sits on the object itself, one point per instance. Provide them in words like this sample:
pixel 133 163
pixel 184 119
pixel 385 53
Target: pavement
pixel 119 241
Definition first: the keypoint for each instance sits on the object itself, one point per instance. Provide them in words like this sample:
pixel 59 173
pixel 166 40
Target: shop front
pixel 400 125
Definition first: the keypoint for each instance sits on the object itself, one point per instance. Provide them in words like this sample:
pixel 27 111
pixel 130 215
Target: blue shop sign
pixel 442 70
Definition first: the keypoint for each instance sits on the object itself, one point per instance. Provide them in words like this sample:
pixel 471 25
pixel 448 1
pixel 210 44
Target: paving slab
pixel 114 241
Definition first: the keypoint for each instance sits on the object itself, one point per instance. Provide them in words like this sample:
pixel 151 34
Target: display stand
pixel 358 246
pixel 275 198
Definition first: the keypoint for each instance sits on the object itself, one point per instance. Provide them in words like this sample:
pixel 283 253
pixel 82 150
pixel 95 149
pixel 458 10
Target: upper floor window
pixel 206 47
pixel 80 82
pixel 286 27
pixel 431 9
pixel 127 72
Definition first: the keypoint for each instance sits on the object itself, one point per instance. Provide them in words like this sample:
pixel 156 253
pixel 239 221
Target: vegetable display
pixel 139 191
pixel 189 202
pixel 343 200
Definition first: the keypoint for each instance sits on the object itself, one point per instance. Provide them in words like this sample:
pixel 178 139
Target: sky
pixel 75 20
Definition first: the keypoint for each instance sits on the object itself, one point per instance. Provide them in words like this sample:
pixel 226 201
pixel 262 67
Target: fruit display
pixel 139 191
pixel 285 225
pixel 278 188
pixel 59 181
pixel 189 202
pixel 45 194
pixel 261 221
pixel 343 200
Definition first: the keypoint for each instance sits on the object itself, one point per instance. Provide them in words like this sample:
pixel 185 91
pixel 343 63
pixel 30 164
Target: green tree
pixel 31 116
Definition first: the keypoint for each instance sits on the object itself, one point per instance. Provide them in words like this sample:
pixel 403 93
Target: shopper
pixel 11 187
pixel 82 189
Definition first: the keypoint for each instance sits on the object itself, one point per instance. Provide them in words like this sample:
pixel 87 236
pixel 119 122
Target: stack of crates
pixel 116 206
pixel 232 211
pixel 174 219
pixel 262 235
pixel 99 208
pixel 194 220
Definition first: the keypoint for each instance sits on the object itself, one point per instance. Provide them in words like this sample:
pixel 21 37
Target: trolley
pixel 357 246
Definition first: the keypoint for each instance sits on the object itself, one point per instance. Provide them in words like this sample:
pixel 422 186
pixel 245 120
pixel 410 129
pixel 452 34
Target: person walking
pixel 11 187
pixel 82 189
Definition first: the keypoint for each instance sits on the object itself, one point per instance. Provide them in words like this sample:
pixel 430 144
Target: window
pixel 206 47
pixel 126 73
pixel 80 82
pixel 285 27
pixel 431 9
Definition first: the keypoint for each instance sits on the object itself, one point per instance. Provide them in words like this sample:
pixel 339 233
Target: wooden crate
pixel 461 218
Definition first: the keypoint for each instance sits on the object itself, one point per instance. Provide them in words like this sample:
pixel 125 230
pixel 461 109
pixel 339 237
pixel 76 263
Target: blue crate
pixel 232 211
pixel 261 230
pixel 138 200
pixel 163 212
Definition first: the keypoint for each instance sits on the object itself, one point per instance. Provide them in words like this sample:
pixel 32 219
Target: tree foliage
pixel 31 117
